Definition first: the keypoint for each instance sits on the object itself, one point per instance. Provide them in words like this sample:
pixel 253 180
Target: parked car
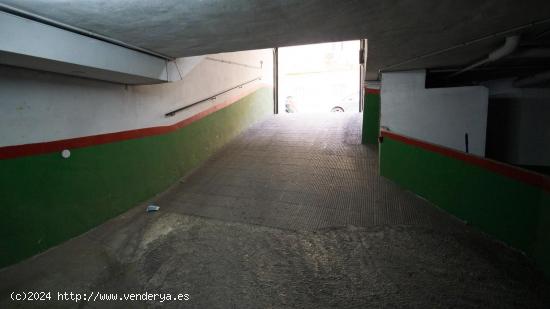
pixel 347 104
pixel 290 105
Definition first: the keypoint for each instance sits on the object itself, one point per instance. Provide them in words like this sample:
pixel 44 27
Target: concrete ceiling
pixel 397 30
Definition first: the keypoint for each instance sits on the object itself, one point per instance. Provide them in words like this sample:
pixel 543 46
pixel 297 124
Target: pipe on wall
pixel 533 80
pixel 536 53
pixel 508 48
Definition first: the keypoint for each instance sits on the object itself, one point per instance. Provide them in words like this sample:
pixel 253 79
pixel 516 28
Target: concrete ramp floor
pixel 291 214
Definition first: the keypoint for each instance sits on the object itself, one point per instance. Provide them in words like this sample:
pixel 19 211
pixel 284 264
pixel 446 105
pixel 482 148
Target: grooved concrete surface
pixel 301 173
pixel 291 214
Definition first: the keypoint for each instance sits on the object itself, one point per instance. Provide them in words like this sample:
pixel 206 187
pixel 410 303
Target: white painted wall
pixel 441 115
pixel 40 106
pixel 519 119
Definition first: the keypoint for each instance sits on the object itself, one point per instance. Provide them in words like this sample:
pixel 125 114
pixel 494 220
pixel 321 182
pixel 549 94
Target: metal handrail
pixel 172 113
pixel 236 63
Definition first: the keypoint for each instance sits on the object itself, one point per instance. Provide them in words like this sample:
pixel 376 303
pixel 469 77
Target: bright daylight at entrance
pixel 319 78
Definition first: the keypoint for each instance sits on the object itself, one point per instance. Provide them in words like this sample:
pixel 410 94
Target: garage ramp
pixel 291 214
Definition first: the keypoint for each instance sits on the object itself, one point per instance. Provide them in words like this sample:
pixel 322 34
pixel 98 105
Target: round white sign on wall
pixel 66 153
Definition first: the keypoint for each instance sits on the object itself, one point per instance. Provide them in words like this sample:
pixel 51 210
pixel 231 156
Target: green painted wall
pixel 513 211
pixel 542 247
pixel 47 199
pixel 371 119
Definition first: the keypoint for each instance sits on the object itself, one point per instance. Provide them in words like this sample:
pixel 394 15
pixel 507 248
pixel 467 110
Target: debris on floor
pixel 152 208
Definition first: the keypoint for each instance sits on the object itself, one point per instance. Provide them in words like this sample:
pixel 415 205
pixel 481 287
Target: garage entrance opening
pixel 319 78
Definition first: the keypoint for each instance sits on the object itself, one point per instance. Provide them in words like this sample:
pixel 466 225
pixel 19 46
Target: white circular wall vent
pixel 66 153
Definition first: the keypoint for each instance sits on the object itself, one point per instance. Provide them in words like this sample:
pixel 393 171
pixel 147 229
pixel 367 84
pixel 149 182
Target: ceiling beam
pixel 34 45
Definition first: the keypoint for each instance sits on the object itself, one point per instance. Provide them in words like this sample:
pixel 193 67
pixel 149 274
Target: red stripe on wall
pixel 9 152
pixel 372 91
pixel 504 169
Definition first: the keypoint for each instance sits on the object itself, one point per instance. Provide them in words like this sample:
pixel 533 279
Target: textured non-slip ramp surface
pixel 291 214
pixel 301 172
pixel 234 265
